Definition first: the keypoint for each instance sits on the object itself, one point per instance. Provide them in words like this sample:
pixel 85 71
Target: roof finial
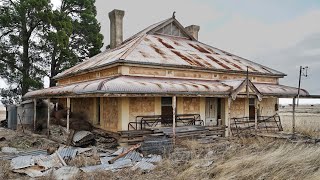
pixel 173 14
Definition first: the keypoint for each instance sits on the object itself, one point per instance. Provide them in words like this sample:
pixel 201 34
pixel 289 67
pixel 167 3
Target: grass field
pixel 307 119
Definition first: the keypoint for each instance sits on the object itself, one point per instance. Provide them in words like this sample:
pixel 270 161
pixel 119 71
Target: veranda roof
pixel 155 86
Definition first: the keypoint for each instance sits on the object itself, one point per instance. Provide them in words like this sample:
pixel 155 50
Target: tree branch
pixel 6 33
pixel 9 63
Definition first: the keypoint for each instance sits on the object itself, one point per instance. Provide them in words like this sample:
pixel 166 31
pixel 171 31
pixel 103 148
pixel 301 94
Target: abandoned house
pixel 164 75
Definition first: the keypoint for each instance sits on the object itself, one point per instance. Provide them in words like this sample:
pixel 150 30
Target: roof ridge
pixel 130 49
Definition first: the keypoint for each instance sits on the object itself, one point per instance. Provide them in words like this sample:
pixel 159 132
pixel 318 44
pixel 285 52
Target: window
pixel 252 109
pixel 166 106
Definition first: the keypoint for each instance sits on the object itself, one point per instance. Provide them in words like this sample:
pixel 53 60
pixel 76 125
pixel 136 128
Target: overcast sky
pixel 279 34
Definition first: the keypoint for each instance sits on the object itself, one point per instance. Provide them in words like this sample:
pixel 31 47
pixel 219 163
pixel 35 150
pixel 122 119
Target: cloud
pixel 249 37
pixel 290 59
pixel 140 14
pixel 280 43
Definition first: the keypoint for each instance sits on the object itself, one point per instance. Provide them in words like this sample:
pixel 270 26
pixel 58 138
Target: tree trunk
pixel 54 66
pixel 25 58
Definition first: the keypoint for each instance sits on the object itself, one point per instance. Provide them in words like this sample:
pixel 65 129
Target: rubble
pixel 58 162
pixel 143 165
pixel 9 150
pixel 22 162
pixel 66 172
pixel 83 138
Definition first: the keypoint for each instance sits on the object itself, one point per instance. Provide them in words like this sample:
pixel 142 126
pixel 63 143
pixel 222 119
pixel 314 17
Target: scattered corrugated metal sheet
pixel 9 150
pixel 134 156
pixel 34 171
pixel 144 166
pixel 153 158
pixel 48 161
pixel 153 85
pixel 99 167
pixel 22 162
pixel 68 153
pixel 65 173
pixel 146 47
pixel 28 153
pixel 105 160
pixel 81 138
pixel 119 164
pixel 119 151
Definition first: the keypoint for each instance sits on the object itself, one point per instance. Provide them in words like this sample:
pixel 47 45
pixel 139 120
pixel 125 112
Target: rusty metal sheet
pixel 144 166
pixel 148 47
pixel 131 84
pixel 274 89
pixel 153 85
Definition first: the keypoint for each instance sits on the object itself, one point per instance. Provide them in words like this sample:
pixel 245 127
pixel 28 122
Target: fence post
pixel 174 98
pixel 293 115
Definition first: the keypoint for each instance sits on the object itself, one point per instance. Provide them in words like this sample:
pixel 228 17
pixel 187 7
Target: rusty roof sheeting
pixel 148 48
pixel 277 90
pixel 155 85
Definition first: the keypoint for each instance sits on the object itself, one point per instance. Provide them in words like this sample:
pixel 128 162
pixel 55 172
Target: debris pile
pixel 59 163
pixel 156 145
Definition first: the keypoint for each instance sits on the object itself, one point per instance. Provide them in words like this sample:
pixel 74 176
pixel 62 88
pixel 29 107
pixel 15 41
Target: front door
pixel 211 112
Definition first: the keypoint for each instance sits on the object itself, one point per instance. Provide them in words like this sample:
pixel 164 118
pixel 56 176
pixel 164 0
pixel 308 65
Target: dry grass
pixel 305 123
pixel 248 158
pixel 259 159
pixel 253 158
pixel 81 161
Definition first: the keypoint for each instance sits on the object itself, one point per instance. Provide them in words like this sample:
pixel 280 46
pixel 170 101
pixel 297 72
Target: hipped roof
pixel 149 47
pixel 155 86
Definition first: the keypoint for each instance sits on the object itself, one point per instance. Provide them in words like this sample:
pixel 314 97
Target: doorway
pixel 211 112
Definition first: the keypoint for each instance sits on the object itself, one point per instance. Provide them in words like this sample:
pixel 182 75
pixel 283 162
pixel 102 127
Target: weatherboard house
pixel 165 72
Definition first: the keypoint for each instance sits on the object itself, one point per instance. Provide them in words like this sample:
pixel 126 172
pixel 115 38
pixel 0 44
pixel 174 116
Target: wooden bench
pixel 145 122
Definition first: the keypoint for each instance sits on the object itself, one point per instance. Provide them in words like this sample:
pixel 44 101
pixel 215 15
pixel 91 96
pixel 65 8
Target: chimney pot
pixel 193 30
pixel 116 27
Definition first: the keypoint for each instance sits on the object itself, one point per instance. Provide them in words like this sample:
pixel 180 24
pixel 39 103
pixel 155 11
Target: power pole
pixel 303 72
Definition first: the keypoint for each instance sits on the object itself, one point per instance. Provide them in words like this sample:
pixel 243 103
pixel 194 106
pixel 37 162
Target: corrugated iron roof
pixel 155 85
pixel 147 47
pixel 277 90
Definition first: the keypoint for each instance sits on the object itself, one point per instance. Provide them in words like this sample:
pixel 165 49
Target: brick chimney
pixel 116 27
pixel 193 30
